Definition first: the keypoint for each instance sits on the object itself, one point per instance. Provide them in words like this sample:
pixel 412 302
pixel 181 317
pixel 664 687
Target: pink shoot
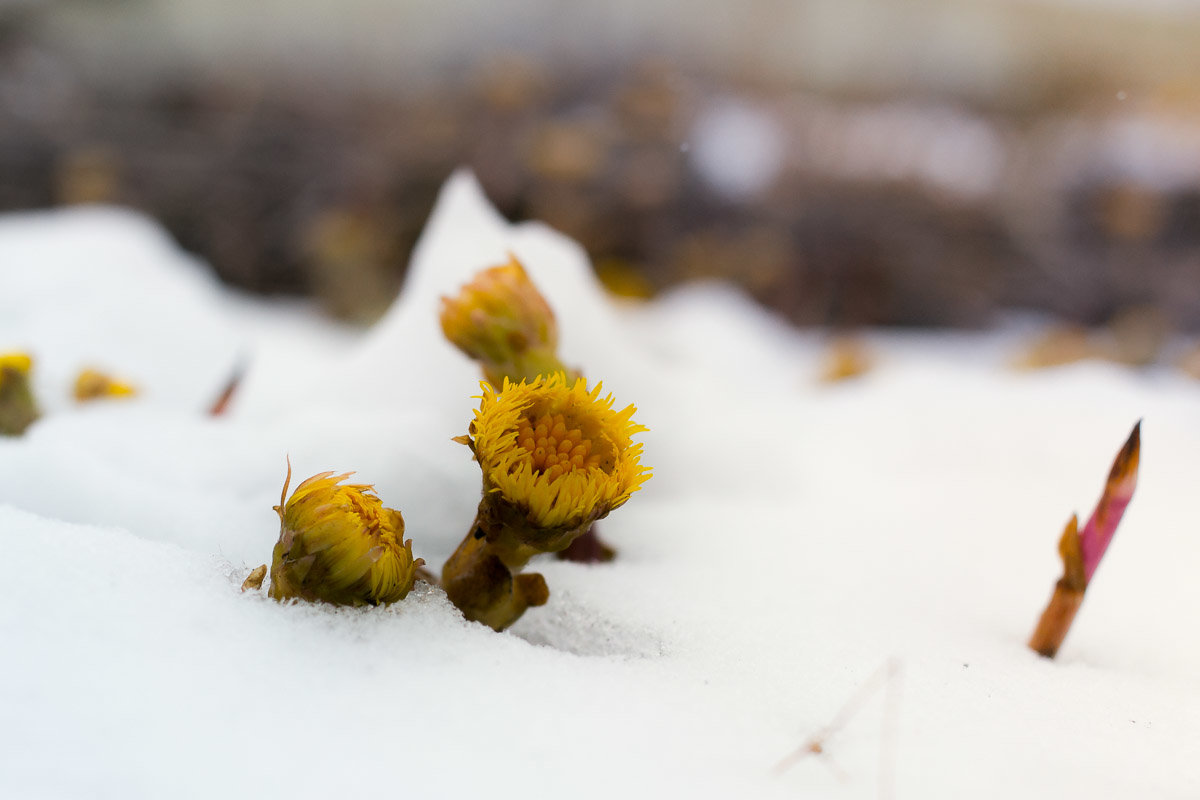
pixel 1122 480
pixel 1081 551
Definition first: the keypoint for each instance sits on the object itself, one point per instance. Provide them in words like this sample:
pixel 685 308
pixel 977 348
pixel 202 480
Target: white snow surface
pixel 795 538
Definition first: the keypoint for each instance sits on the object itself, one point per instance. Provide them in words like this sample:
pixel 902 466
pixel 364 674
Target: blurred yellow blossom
pixel 18 409
pixel 92 384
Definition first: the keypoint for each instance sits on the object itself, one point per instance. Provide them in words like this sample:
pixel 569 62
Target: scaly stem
pixel 483 577
pixel 1068 596
pixel 523 365
pixel 1081 551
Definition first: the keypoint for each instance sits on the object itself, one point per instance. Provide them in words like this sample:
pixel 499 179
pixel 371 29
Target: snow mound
pixel 795 537
pixel 107 288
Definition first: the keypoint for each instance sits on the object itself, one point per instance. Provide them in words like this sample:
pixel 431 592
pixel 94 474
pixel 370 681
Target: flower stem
pixel 481 578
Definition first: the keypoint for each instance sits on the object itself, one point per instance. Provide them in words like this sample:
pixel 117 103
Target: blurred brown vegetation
pixel 834 207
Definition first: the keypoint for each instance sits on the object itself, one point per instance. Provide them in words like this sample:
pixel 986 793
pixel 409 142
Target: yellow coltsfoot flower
pixel 555 458
pixel 501 320
pixel 92 384
pixel 18 409
pixel 555 451
pixel 339 544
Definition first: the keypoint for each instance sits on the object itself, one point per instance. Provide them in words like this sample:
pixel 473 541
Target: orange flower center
pixel 555 449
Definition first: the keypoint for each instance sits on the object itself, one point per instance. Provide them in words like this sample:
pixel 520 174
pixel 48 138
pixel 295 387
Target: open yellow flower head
pixel 338 544
pixel 18 410
pixel 92 385
pixel 556 451
pixel 502 320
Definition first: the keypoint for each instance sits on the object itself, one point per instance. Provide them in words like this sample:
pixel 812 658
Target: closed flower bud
pixel 92 385
pixel 339 544
pixel 501 320
pixel 18 410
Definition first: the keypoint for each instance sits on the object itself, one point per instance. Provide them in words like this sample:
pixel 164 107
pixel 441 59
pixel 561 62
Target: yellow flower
pixel 18 409
pixel 338 544
pixel 92 385
pixel 502 320
pixel 555 458
pixel 19 363
pixel 556 452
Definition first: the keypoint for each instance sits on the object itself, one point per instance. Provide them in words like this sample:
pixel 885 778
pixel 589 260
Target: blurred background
pixel 847 162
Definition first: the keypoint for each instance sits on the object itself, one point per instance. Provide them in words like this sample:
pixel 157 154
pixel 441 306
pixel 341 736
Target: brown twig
pixel 221 405
pixel 1064 604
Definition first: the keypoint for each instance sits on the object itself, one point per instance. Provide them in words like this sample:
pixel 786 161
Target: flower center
pixel 555 449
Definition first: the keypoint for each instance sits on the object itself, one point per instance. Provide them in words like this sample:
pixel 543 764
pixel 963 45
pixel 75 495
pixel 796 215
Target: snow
pixel 795 538
pixel 82 286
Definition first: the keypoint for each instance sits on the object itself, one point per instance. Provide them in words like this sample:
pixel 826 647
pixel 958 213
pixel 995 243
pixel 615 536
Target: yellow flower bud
pixel 93 385
pixel 338 544
pixel 18 409
pixel 501 320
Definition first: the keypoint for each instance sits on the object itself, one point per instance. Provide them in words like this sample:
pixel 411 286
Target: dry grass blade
pixel 887 678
